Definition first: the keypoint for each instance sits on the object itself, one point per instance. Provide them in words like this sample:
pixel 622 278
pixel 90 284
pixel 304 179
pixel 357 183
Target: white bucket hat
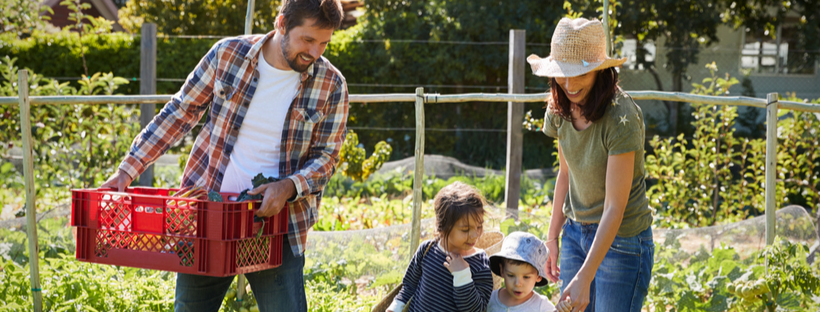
pixel 578 46
pixel 523 247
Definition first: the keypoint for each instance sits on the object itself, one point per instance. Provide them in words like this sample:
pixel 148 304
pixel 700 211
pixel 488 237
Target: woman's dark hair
pixel 452 203
pixel 602 93
pixel 328 13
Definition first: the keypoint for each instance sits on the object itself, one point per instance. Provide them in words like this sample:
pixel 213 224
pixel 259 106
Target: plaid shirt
pixel 225 81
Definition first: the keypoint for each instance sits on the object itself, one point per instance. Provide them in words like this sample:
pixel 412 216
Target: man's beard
pixel 292 61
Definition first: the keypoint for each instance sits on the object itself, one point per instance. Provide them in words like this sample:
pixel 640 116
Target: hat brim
pixel 548 67
pixel 495 266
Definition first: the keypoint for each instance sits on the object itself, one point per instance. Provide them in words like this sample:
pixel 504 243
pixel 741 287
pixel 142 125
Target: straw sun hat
pixel 578 46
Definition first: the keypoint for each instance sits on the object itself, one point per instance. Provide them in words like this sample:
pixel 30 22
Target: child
pixel 448 273
pixel 521 263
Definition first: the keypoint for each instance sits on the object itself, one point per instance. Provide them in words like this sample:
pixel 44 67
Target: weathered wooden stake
pixel 515 116
pixel 28 176
pixel 148 86
pixel 418 175
pixel 240 283
pixel 771 164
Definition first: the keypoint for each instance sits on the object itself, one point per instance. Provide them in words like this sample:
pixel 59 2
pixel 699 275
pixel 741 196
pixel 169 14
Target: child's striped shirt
pixel 433 288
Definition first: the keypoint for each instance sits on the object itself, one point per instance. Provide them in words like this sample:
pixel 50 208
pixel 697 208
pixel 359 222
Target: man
pixel 275 106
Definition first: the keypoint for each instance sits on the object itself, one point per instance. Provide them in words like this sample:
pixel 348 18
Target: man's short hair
pixel 327 13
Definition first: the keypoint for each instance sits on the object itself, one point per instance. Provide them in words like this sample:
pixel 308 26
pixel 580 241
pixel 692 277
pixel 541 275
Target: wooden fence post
pixel 28 176
pixel 418 175
pixel 606 28
pixel 240 280
pixel 148 85
pixel 771 164
pixel 515 116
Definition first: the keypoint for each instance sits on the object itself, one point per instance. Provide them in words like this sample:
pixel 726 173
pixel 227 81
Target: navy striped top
pixel 430 284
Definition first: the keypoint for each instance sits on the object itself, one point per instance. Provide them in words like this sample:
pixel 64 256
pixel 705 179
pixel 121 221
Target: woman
pixel 600 194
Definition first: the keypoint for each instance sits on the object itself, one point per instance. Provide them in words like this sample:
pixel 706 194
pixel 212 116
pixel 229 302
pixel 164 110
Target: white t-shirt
pixel 536 303
pixel 260 136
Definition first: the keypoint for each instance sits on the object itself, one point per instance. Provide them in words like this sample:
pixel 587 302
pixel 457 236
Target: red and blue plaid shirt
pixel 224 81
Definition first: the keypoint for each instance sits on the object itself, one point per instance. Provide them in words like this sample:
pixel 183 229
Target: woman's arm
pixel 557 220
pixel 619 170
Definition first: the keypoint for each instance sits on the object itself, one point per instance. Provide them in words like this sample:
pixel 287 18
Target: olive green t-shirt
pixel 620 130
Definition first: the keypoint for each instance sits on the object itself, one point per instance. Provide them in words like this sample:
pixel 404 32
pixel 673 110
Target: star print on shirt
pixel 624 120
pixel 615 102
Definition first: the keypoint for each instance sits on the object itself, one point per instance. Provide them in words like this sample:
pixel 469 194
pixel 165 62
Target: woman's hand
pixel 455 262
pixel 552 269
pixel 577 292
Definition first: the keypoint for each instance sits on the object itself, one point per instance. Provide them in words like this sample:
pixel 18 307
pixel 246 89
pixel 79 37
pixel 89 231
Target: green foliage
pixel 21 17
pixel 713 281
pixel 75 145
pixel 224 17
pixel 412 43
pixel 329 297
pixel 70 285
pixel 352 161
pixel 716 177
pixel 58 55
pixel 760 18
pixel 257 181
pixel 358 52
pixel 798 157
pixel 400 185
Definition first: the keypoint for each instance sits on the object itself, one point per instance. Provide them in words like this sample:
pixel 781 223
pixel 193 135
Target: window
pixel 779 54
pixel 629 51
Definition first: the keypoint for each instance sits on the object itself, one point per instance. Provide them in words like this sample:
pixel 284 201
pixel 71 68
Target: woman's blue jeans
pixel 278 289
pixel 622 280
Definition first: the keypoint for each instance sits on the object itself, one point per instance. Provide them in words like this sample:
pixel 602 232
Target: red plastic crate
pixel 153 211
pixel 178 254
pixel 147 228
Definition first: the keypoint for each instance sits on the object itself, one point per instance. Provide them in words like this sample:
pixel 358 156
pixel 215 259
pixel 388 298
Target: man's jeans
pixel 622 280
pixel 277 289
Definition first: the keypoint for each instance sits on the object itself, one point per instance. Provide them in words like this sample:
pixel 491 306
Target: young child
pixel 448 273
pixel 521 263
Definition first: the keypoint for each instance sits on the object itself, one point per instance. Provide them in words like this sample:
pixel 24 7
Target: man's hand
pixel 119 180
pixel 274 196
pixel 455 262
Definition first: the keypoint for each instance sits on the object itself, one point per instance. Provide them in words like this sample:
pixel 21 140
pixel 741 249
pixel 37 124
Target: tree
pixel 461 46
pixel 23 16
pixel 194 17
pixel 688 26
pixel 685 27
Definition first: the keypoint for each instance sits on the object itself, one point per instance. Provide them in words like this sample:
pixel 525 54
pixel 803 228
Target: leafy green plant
pixel 198 17
pixel 717 177
pixel 721 280
pixel 694 175
pixel 75 145
pixel 352 161
pixel 22 17
pixel 70 285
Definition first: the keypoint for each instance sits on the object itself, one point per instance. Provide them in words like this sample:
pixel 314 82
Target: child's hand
pixel 455 262
pixel 564 306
